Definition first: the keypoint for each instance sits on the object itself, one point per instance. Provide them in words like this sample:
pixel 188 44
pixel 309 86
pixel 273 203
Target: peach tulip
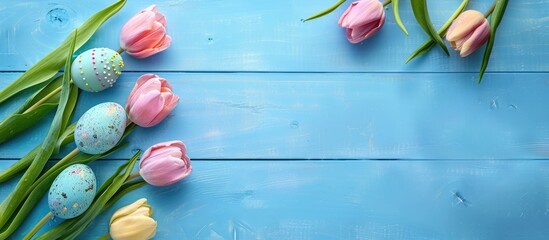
pixel 468 32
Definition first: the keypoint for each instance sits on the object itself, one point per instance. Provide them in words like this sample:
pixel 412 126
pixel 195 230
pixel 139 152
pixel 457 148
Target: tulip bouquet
pixel 465 30
pixel 98 133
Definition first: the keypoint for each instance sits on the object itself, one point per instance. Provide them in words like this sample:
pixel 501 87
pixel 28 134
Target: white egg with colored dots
pixel 96 69
pixel 100 128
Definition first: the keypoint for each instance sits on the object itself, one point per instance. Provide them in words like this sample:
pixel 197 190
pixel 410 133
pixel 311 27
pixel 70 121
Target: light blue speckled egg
pixel 96 69
pixel 100 128
pixel 72 191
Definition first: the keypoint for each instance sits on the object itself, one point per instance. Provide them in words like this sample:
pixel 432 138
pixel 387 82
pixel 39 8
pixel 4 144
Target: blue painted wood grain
pixel 342 200
pixel 341 116
pixel 240 35
pixel 262 93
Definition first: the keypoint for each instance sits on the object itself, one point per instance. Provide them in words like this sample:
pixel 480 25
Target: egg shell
pixel 72 191
pixel 96 69
pixel 100 128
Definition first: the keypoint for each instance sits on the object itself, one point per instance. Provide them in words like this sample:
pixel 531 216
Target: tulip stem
pixel 132 176
pixel 37 227
pixel 120 50
pixel 386 2
pixel 64 160
pixel 491 9
pixel 44 99
pixel 104 237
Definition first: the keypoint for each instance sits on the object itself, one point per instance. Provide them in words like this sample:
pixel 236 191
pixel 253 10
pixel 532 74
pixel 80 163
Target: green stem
pixel 43 100
pixel 491 9
pixel 65 159
pixel 37 227
pixel 132 176
pixel 120 50
pixel 386 2
pixel 326 11
pixel 54 168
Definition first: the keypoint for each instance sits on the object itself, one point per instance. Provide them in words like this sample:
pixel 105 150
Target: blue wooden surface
pixel 285 122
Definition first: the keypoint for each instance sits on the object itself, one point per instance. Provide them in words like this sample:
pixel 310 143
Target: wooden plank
pixel 241 36
pixel 340 116
pixel 342 200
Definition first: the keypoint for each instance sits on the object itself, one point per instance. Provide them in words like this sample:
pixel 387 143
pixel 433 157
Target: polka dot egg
pixel 72 191
pixel 100 128
pixel 96 69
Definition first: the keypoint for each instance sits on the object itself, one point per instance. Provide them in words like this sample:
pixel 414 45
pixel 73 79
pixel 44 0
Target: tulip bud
pixel 150 101
pixel 362 19
pixel 133 222
pixel 145 33
pixel 165 163
pixel 468 32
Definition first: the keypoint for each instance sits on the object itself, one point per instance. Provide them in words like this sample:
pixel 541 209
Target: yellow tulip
pixel 133 222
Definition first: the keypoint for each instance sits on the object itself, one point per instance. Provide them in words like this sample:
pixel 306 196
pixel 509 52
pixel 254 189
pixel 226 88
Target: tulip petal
pixel 151 51
pixel 133 228
pixel 146 107
pixel 165 172
pixel 150 37
pixel 136 88
pixel 343 19
pixel 127 210
pixel 169 104
pixel 477 38
pixel 135 29
pixel 379 25
pixel 465 24
pixel 148 152
pixel 152 84
pixel 159 154
pixel 368 12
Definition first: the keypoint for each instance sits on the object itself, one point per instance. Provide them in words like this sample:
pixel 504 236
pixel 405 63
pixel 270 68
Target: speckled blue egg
pixel 72 191
pixel 100 128
pixel 96 69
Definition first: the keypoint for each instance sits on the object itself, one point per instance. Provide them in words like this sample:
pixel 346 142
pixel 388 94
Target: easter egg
pixel 100 128
pixel 96 69
pixel 72 191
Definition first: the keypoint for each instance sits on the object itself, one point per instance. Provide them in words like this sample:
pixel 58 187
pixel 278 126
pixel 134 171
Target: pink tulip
pixel 468 32
pixel 165 163
pixel 362 19
pixel 150 101
pixel 145 33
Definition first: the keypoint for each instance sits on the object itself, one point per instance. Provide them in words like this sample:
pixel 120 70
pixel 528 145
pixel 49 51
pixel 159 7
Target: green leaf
pixel 16 123
pixel 397 16
pixel 441 32
pixel 45 151
pixel 71 104
pixel 495 20
pixel 65 138
pixel 126 188
pixel 419 7
pixel 46 68
pixel 18 166
pixel 326 11
pixel 44 94
pixel 33 110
